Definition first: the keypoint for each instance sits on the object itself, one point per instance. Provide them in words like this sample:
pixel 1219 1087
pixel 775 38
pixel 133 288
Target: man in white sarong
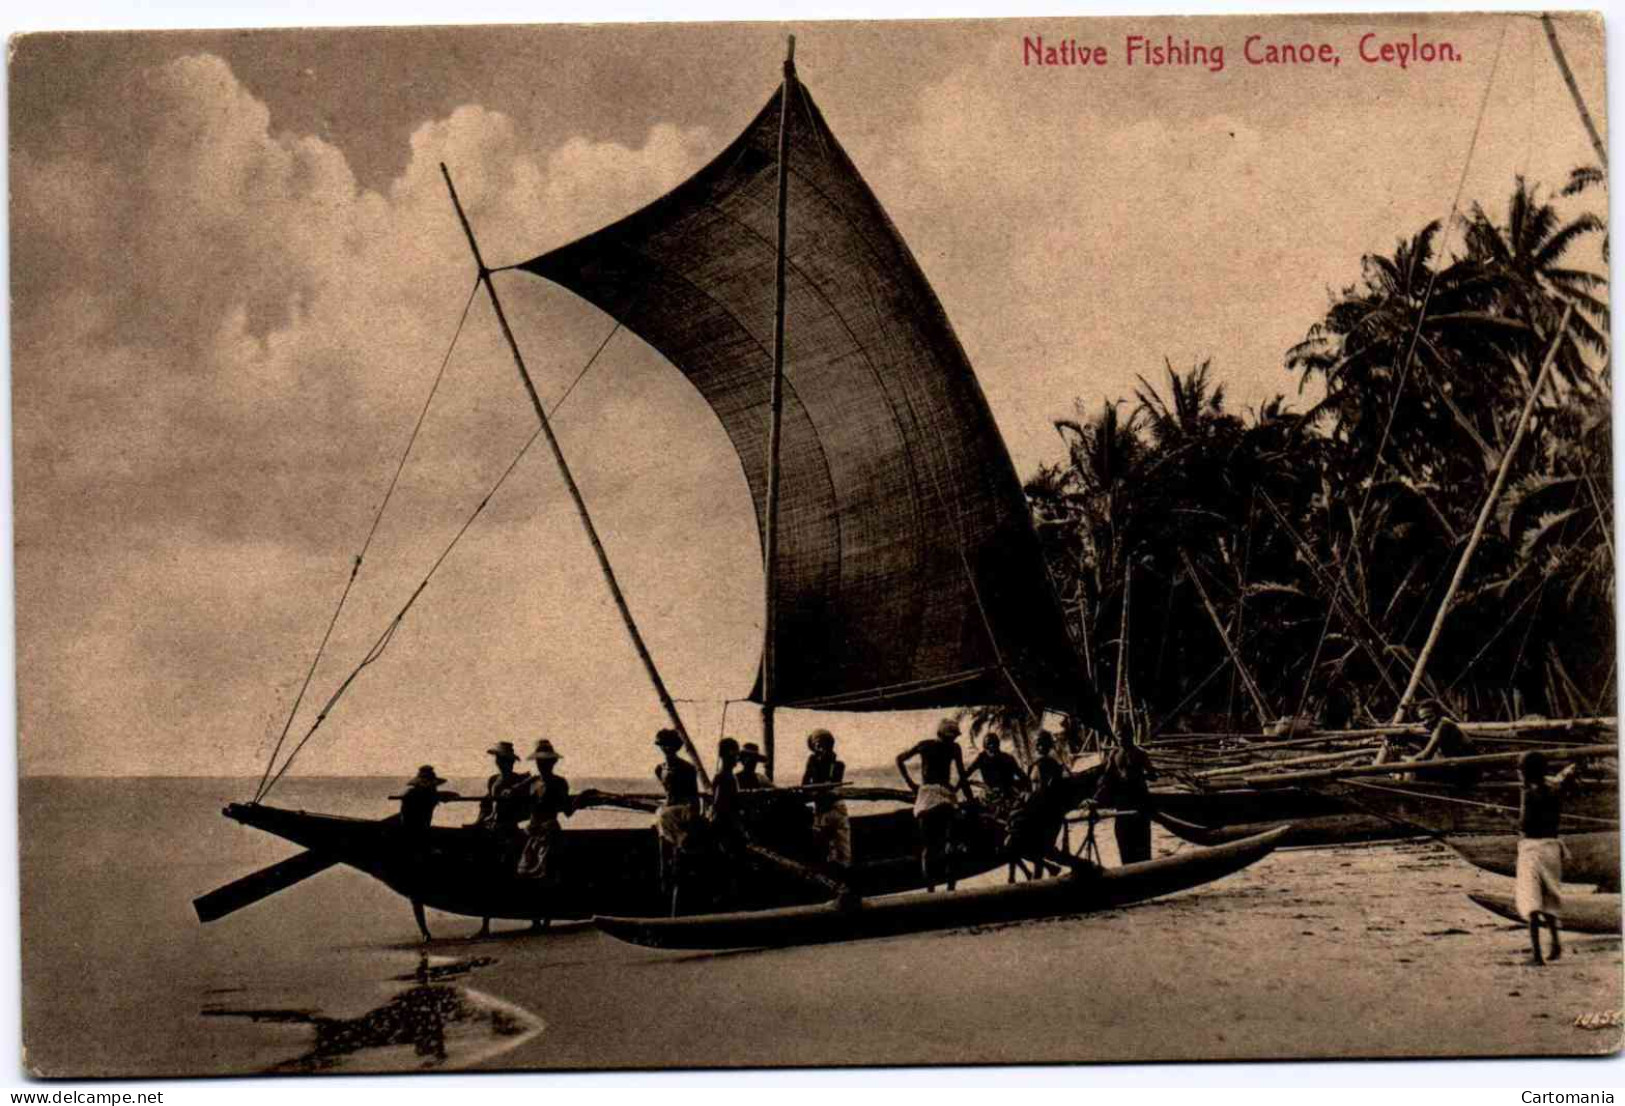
pixel 1540 852
pixel 934 806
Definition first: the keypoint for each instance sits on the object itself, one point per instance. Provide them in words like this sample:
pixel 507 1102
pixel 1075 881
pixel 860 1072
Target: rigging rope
pixel 382 643
pixel 1410 352
pixel 366 544
pixel 1466 802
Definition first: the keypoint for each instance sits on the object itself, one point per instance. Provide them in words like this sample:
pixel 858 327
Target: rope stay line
pixel 366 544
pixel 384 639
pixel 1410 352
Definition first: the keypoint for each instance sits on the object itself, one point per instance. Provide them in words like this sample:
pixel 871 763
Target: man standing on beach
pixel 418 804
pixel 501 810
pixel 1540 853
pixel 549 797
pixel 934 807
pixel 1126 784
pixel 676 816
pixel 832 830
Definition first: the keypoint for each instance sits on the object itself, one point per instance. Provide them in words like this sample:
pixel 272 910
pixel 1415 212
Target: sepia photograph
pixel 648 546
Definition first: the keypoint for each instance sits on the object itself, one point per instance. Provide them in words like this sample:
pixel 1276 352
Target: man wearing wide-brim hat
pixel 549 795
pixel 418 801
pixel 505 805
pixel 750 757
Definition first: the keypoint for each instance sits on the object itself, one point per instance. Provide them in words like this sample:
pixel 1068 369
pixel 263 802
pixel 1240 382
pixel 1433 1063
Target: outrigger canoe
pixel 920 911
pixel 1587 857
pixel 455 870
pixel 1581 913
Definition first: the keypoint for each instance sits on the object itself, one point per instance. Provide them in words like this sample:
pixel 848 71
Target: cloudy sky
pixel 235 272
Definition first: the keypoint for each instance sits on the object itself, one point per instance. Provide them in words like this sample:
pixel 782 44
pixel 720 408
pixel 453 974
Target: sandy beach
pixel 1365 952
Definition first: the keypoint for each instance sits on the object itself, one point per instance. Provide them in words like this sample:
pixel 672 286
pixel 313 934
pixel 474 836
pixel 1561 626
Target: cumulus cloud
pixel 220 341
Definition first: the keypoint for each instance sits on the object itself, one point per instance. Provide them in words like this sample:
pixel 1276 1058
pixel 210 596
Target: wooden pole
pixel 575 492
pixel 1406 767
pixel 1574 90
pixel 1253 692
pixel 770 539
pixel 1542 725
pixel 1483 517
pixel 1295 762
pixel 1121 690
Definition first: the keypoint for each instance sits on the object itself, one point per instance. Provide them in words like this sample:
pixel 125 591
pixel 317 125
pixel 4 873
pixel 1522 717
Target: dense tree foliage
pixel 1320 542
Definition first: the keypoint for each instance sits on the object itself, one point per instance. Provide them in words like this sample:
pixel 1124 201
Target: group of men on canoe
pixel 1032 805
pixel 520 811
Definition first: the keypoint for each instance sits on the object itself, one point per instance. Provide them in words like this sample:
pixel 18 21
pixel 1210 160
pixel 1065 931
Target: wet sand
pixel 1360 952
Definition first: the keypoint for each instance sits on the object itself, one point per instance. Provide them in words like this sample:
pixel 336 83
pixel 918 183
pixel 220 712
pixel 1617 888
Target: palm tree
pixel 1522 266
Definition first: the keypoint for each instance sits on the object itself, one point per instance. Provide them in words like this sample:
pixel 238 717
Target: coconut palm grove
pixel 1318 534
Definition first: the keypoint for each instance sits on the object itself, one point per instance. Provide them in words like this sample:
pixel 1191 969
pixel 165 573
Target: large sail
pixel 909 572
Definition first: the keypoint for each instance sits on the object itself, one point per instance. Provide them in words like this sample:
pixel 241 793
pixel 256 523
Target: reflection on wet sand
pixel 441 1024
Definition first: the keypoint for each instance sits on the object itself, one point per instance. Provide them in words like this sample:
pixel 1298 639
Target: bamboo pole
pixel 1574 90
pixel 1295 762
pixel 1121 689
pixel 1543 725
pixel 1257 696
pixel 575 492
pixel 1483 517
pixel 1406 767
pixel 770 538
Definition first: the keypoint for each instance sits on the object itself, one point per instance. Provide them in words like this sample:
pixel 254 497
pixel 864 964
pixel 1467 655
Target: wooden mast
pixel 575 492
pixel 1483 516
pixel 770 540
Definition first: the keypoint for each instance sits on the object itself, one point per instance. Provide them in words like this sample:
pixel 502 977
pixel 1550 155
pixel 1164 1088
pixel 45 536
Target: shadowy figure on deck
pixel 1445 740
pixel 1002 774
pixel 1036 823
pixel 934 805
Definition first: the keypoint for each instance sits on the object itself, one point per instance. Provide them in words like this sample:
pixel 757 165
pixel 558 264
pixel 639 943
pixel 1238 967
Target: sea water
pixel 120 979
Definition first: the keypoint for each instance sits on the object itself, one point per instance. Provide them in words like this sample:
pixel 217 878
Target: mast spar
pixel 770 541
pixel 575 492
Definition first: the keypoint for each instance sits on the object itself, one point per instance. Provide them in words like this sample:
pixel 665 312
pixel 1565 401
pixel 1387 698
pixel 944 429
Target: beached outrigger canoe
pixel 1587 857
pixel 901 567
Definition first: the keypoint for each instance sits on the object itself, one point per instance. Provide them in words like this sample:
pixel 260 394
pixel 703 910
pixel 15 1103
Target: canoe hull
pixel 1581 913
pixel 1218 817
pixel 1372 809
pixel 917 912
pixel 458 871
pixel 1588 857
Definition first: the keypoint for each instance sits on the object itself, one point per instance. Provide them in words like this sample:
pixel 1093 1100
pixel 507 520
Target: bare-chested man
pixel 934 804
